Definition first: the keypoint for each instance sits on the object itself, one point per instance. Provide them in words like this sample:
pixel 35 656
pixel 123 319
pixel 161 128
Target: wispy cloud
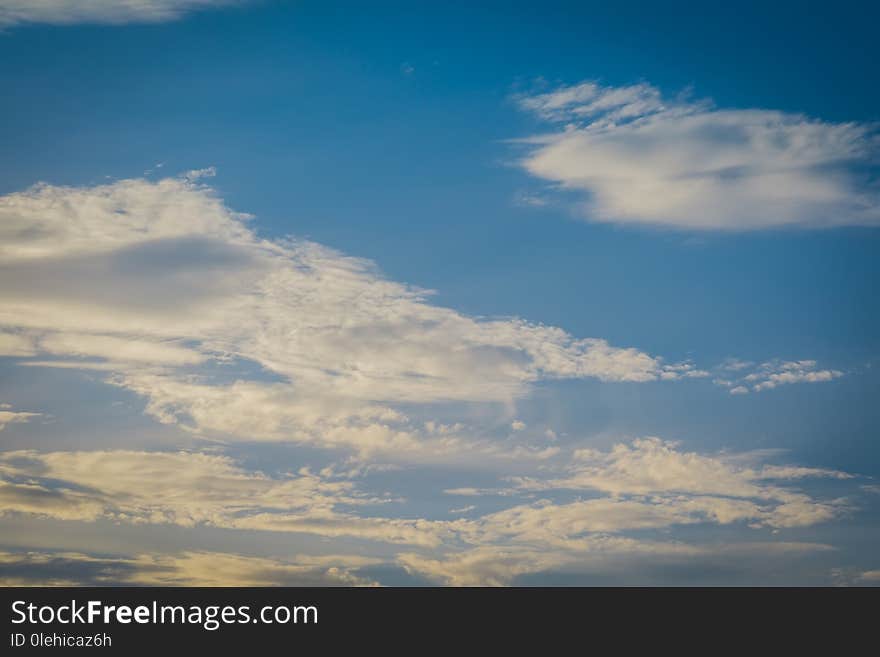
pixel 178 569
pixel 746 377
pixel 66 12
pixel 646 485
pixel 667 483
pixel 196 489
pixel 8 416
pixel 640 158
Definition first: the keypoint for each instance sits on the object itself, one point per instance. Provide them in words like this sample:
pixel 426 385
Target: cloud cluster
pixel 772 374
pixel 652 483
pixel 65 12
pixel 639 158
pixel 647 485
pixel 169 294
pixel 220 330
pixel 178 569
pixel 193 488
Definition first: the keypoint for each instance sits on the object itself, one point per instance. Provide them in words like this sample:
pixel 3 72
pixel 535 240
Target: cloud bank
pixel 160 289
pixel 645 485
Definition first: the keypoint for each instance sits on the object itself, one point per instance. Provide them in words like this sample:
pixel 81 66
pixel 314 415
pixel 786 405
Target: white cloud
pixel 14 417
pixel 152 280
pixel 652 484
pixel 743 377
pixel 480 566
pixel 641 159
pixel 120 349
pixel 470 491
pixel 590 100
pixel 64 12
pixel 775 373
pixel 191 488
pixel 234 337
pixel 649 485
pixel 463 509
pixel 772 375
pixel 220 569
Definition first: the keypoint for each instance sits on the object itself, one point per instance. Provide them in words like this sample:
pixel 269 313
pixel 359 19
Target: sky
pixel 548 293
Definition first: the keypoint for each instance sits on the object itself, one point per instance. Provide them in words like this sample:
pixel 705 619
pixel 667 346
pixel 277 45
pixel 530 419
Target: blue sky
pixel 571 262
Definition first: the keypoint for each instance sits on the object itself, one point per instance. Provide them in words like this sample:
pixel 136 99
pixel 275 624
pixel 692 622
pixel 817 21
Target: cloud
pixel 480 567
pixel 162 285
pixel 66 12
pixel 167 293
pixel 469 491
pixel 638 158
pixel 220 569
pixel 14 417
pixel 648 485
pixel 121 350
pixel 870 576
pixel 742 378
pixel 606 559
pixel 463 510
pixel 773 374
pixel 193 488
pixel 178 569
pixel 652 465
pixel 651 483
pixel 13 344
